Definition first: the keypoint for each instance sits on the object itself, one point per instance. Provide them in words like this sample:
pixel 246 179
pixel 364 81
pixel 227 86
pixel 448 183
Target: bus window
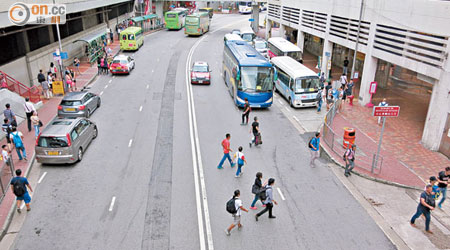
pixel 309 84
pixel 283 77
pixel 171 15
pixel 295 54
pixel 124 37
pixel 131 37
pixel 258 79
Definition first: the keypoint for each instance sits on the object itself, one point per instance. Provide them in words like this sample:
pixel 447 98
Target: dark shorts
pixel 330 101
pixel 8 139
pixel 26 197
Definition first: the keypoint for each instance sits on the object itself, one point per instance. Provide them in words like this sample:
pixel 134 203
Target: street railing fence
pixel 6 174
pixel 334 142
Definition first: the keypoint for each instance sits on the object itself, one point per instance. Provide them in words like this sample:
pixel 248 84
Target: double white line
pixel 199 178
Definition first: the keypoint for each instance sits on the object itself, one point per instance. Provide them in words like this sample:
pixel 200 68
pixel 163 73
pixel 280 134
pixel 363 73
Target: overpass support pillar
pixel 255 16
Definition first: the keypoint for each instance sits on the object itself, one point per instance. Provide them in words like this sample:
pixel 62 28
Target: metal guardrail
pixel 6 174
pixel 34 92
pixel 330 138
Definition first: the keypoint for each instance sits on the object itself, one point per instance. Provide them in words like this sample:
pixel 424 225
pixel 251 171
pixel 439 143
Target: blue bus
pixel 248 74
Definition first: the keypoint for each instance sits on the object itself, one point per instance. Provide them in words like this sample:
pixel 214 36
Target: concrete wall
pixel 17 70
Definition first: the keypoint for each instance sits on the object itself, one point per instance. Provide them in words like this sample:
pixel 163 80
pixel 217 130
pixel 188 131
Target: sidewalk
pixel 46 113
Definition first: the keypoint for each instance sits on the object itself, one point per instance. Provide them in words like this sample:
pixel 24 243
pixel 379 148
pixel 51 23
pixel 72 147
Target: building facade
pixel 405 42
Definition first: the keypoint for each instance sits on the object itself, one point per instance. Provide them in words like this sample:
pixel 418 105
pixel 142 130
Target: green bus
pixel 131 38
pixel 197 24
pixel 175 19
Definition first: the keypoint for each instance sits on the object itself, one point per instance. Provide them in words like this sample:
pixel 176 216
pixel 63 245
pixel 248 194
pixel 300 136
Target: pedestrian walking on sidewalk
pixel 235 208
pixel 246 113
pixel 73 86
pixel 343 80
pixel 42 81
pixel 314 149
pixel 443 179
pixel 3 83
pixel 382 104
pixel 76 63
pixel 256 132
pixel 345 69
pixel 111 36
pixel 17 139
pixel 29 109
pixel 226 151
pixel 329 93
pixel 19 186
pixel 99 66
pixel 7 129
pixel 268 199
pixel 319 100
pixel 45 87
pixel 256 189
pixel 436 192
pixel 322 80
pixel 349 158
pixel 426 205
pixel 69 81
pixel 9 114
pixel 349 89
pixel 36 123
pixel 6 156
pixel 240 161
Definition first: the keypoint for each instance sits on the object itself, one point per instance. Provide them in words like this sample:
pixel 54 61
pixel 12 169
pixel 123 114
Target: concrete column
pixel 282 31
pixel 159 10
pixel 300 39
pixel 368 76
pixel 268 27
pixel 438 109
pixel 50 34
pixel 326 56
pixel 255 16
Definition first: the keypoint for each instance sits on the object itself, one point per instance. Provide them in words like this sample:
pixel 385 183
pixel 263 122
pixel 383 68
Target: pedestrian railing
pixel 34 93
pixel 335 143
pixel 6 174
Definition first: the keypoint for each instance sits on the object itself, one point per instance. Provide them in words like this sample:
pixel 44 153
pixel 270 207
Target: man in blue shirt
pixel 19 186
pixel 314 149
pixel 426 205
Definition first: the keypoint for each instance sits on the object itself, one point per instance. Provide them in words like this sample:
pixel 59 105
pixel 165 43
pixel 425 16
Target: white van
pixel 279 46
pixel 232 37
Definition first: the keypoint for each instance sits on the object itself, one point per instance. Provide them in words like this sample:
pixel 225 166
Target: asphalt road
pixel 142 159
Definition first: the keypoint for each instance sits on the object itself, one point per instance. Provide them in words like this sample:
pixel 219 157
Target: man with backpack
pixel 240 161
pixel 234 207
pixel 256 133
pixel 9 114
pixel 266 195
pixel 426 205
pixel 17 138
pixel 349 158
pixel 314 149
pixel 7 129
pixel 19 187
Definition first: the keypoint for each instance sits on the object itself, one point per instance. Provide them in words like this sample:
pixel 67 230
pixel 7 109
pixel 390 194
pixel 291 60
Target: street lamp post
pixel 60 51
pixel 357 39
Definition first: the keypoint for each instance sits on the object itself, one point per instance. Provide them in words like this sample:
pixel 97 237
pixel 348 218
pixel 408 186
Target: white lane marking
pixel 131 142
pixel 110 81
pixel 153 70
pixel 295 118
pixel 197 162
pixel 288 110
pixel 101 93
pixel 148 86
pixel 281 194
pixel 106 86
pixel 140 108
pixel 111 206
pixel 280 102
pixel 42 177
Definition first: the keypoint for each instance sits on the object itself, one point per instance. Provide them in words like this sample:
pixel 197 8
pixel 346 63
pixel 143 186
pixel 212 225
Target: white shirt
pixel 28 107
pixel 343 79
pixel 5 155
pixel 383 104
pixel 13 133
pixel 238 204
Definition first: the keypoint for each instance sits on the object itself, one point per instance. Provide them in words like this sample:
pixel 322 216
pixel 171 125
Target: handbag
pixel 255 189
pixel 40 123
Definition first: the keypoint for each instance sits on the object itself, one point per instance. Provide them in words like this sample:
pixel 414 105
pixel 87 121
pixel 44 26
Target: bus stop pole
pixel 375 162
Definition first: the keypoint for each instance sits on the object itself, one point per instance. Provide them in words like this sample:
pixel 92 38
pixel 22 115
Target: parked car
pixel 78 104
pixel 200 73
pixel 261 46
pixel 122 64
pixel 65 140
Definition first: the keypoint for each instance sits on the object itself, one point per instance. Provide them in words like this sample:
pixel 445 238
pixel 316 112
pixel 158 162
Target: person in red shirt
pixel 226 151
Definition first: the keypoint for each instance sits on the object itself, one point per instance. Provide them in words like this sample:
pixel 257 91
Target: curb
pixel 10 215
pixel 392 183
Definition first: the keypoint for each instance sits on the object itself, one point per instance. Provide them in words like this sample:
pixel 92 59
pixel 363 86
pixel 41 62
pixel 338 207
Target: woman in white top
pixel 35 121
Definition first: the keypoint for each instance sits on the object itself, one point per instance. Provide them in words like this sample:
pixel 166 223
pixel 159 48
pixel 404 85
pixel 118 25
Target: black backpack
pixel 231 206
pixel 262 194
pixel 19 188
pixel 309 143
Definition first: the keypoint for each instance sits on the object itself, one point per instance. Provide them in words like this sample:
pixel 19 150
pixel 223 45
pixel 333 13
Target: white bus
pixel 297 83
pixel 232 37
pixel 248 35
pixel 279 46
pixel 245 7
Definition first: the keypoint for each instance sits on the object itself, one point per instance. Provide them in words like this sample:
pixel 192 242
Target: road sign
pixel 373 88
pixel 64 55
pixel 58 87
pixel 251 20
pixel 328 54
pixel 387 111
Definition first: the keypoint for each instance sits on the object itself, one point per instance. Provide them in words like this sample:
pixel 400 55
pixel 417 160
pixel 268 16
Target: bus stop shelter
pixel 93 48
pixel 147 22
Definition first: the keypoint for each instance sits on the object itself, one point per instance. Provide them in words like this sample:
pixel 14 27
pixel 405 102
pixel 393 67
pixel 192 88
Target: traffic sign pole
pixel 375 162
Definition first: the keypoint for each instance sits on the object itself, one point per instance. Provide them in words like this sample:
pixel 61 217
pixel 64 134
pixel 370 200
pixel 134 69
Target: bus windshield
pixel 295 54
pixel 249 4
pixel 307 84
pixel 247 37
pixel 192 20
pixel 256 79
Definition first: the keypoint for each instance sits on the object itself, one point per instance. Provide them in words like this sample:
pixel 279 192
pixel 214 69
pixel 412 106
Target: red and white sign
pixel 388 111
pixel 373 88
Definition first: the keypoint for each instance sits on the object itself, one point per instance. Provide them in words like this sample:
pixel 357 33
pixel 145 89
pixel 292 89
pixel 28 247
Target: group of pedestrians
pixel 330 94
pixel 435 190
